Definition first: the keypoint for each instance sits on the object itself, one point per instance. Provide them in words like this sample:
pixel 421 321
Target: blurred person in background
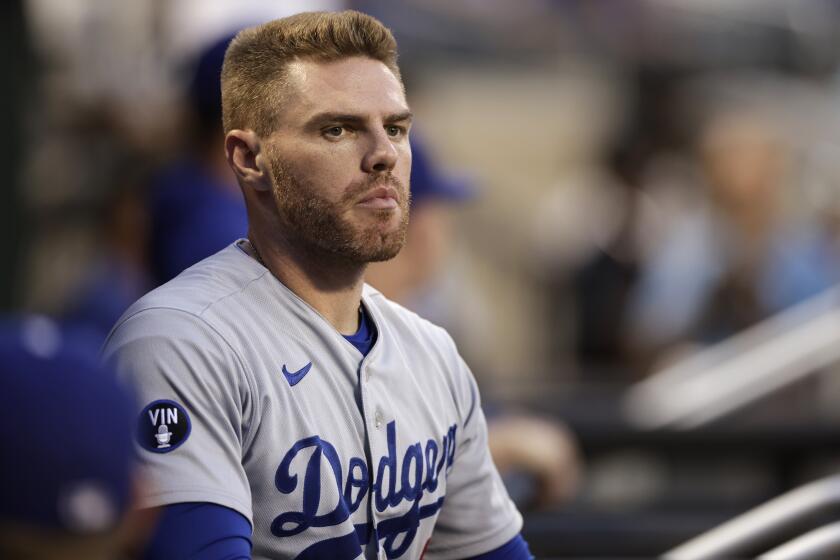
pixel 538 458
pixel 195 205
pixel 191 209
pixel 587 253
pixel 119 274
pixel 149 233
pixel 67 471
pixel 735 254
pixel 589 231
pixel 435 197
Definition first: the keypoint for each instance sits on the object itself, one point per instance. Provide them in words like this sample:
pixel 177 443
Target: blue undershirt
pixel 200 530
pixel 366 335
pixel 214 532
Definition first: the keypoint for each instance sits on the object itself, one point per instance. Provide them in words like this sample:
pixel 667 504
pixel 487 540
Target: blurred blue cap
pixel 66 427
pixel 429 182
pixel 205 88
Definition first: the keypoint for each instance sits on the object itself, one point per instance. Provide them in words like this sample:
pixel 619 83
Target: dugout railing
pixel 707 409
pixel 800 516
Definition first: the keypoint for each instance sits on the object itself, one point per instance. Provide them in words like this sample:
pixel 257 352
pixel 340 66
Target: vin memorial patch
pixel 163 426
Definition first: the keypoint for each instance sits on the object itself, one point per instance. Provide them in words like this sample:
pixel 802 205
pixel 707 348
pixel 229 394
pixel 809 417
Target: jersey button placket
pixel 374 450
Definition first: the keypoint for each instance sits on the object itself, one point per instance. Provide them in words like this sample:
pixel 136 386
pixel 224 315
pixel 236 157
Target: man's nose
pixel 381 155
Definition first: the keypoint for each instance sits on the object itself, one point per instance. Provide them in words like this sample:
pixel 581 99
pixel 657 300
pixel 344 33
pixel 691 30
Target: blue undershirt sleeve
pixel 200 530
pixel 514 549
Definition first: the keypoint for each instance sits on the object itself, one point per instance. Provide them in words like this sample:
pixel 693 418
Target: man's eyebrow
pixel 329 116
pixel 397 117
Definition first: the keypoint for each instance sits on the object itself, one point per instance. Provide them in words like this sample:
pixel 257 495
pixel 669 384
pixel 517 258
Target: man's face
pixel 340 159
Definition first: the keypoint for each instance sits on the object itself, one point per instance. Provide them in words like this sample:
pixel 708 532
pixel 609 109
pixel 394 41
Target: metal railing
pixel 757 527
pixel 743 369
pixel 819 543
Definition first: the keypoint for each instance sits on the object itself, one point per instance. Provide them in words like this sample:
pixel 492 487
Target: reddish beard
pixel 321 225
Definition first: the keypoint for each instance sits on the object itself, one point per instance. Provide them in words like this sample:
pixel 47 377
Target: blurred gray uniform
pixel 255 402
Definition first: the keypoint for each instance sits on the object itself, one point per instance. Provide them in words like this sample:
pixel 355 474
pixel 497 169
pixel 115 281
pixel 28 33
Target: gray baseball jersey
pixel 255 402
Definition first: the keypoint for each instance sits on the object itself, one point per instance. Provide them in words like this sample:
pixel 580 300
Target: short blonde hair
pixel 254 71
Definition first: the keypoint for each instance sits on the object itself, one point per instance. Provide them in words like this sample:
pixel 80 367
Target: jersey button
pixel 377 418
pixel 367 374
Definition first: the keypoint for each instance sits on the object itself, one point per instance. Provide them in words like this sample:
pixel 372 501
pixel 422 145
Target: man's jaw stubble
pixel 320 226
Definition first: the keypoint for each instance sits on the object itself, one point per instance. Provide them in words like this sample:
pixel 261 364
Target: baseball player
pixel 289 409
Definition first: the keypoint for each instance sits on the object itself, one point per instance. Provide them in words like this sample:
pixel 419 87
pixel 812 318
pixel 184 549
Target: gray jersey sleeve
pixel 477 515
pixel 196 403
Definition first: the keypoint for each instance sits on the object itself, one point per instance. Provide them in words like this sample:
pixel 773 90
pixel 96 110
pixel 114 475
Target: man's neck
pixel 331 285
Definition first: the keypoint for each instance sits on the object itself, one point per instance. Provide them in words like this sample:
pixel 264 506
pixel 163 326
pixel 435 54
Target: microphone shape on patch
pixel 163 435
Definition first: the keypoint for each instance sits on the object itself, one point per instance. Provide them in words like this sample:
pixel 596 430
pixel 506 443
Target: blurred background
pixel 628 218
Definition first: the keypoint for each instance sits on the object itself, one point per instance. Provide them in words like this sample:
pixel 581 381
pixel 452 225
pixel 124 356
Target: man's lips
pixel 380 197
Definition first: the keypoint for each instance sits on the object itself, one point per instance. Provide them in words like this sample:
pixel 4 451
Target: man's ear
pixel 242 148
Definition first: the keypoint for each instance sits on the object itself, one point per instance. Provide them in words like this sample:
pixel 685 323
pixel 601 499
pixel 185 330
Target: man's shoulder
pixel 199 288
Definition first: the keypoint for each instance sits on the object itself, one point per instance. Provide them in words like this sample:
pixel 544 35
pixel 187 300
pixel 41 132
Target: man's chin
pixel 384 255
pixel 360 239
pixel 380 247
